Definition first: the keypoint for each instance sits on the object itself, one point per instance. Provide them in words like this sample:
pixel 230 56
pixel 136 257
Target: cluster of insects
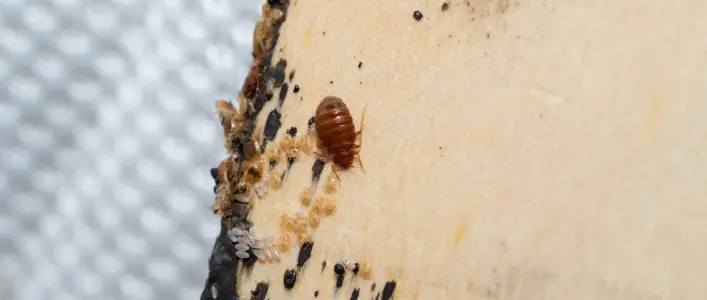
pixel 252 169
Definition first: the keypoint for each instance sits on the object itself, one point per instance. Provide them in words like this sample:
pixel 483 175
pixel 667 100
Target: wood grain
pixel 512 149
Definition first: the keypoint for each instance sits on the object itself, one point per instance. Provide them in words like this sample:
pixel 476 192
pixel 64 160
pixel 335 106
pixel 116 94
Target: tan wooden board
pixel 512 149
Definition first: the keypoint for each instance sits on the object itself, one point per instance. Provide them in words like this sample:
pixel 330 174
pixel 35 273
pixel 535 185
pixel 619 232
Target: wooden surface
pixel 512 149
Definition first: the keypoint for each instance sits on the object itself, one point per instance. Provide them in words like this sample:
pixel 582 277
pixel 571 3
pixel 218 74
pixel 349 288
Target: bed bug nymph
pixel 337 134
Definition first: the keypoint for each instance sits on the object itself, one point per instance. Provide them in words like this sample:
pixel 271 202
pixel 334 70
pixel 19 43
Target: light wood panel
pixel 513 149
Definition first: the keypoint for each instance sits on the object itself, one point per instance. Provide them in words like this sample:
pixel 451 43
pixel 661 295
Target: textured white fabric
pixel 107 134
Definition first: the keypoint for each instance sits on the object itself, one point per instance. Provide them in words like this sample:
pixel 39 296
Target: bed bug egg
pixel 324 205
pixel 349 264
pixel 232 236
pixel 242 254
pixel 313 220
pixel 331 184
pixel 259 254
pixel 275 180
pixel 304 143
pixel 257 245
pixel 274 254
pixel 214 292
pixel 284 242
pixel 304 237
pixel 305 197
pixel 292 153
pixel 241 247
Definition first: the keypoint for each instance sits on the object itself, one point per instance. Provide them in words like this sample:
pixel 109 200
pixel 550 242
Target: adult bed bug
pixel 337 134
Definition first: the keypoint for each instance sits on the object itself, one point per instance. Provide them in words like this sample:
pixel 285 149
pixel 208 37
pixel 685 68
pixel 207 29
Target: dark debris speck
pixel 292 131
pixel 339 281
pixel 290 279
pixel 355 293
pixel 283 94
pixel 279 72
pixel 360 64
pixel 316 294
pixel 356 269
pixel 304 253
pixel 296 89
pixel 272 125
pixel 417 15
pixel 260 291
pixel 311 124
pixel 339 269
pixel 214 174
pixel 388 290
pixel 292 75
pixel 445 6
pixel 317 169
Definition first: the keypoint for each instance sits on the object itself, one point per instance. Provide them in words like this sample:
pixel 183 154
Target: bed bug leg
pixel 360 163
pixel 359 133
pixel 335 169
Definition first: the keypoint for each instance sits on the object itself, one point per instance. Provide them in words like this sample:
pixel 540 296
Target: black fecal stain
pixel 357 268
pixel 331 82
pixel 445 6
pixel 290 162
pixel 273 163
pixel 279 72
pixel 317 169
pixel 339 281
pixel 296 89
pixel 283 94
pixel 214 174
pixel 290 279
pixel 292 131
pixel 272 125
pixel 323 265
pixel 260 99
pixel 354 294
pixel 360 64
pixel 222 263
pixel 373 287
pixel 339 269
pixel 417 15
pixel 292 75
pixel 304 253
pixel 259 293
pixel 388 290
pixel 311 126
pixel 316 294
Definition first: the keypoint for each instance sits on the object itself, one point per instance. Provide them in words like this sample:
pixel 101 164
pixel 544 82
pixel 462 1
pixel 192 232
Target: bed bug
pixel 250 84
pixel 231 120
pixel 337 134
pixel 264 31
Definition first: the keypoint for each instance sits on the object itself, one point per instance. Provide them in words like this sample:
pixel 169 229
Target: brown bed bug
pixel 231 119
pixel 250 84
pixel 337 134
